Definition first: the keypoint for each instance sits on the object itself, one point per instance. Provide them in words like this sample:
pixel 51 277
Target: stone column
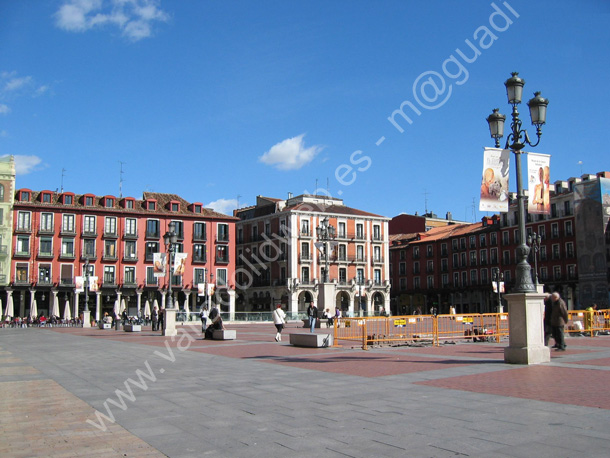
pixel 526 329
pixel 97 306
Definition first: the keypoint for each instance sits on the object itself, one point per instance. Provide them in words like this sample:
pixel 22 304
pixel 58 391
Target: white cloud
pixel 4 109
pixel 134 18
pixel 290 154
pixel 224 206
pixel 26 164
pixel 14 84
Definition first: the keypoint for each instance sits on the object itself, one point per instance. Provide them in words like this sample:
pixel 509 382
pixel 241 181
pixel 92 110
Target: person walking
pixel 155 319
pixel 279 319
pixel 161 319
pixel 559 318
pixel 548 329
pixel 312 313
pixel 203 314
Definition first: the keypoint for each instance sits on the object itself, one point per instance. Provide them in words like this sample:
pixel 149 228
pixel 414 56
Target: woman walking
pixel 279 319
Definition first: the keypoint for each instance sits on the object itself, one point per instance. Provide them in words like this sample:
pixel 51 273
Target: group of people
pixel 555 319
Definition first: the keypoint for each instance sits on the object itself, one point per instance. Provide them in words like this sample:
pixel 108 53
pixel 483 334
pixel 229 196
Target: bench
pixel 133 328
pixel 224 334
pixel 103 325
pixel 311 340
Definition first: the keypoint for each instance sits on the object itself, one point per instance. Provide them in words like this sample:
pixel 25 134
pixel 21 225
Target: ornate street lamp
pixel 86 275
pixel 516 140
pixel 326 232
pixel 170 238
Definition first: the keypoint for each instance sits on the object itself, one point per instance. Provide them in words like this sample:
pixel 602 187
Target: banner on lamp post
pixel 179 263
pixel 539 182
pixel 159 263
pixel 494 182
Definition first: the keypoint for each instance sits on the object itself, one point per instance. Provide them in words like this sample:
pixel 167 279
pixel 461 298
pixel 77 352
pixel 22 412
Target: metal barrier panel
pixel 474 326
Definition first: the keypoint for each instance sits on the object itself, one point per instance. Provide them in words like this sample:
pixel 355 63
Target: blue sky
pixel 213 100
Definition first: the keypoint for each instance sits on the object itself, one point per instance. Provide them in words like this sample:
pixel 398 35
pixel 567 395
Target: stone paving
pixel 87 392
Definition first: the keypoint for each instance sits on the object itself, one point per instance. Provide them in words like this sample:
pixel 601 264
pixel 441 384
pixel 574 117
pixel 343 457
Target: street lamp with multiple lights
pixel 326 232
pixel 516 141
pixel 170 238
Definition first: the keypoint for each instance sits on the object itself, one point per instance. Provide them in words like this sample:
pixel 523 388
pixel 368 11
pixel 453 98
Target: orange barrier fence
pixel 476 327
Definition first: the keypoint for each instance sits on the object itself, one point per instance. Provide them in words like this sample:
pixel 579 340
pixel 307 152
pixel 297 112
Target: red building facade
pixel 55 234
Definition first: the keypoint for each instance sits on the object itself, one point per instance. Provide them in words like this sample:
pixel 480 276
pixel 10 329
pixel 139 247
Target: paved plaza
pixel 68 392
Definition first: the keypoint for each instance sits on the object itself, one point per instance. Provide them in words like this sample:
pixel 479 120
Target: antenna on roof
pixel 238 196
pixel 474 211
pixel 426 200
pixel 121 179
pixel 62 179
pixel 315 190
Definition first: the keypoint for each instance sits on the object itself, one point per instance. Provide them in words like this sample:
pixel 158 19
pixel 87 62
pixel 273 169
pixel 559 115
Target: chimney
pixel 449 217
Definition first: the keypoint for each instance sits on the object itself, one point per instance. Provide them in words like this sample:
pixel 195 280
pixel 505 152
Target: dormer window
pixel 197 208
pixel 68 199
pixel 129 204
pixel 25 196
pixel 88 201
pixel 175 207
pixel 45 197
pixel 109 202
pixel 151 205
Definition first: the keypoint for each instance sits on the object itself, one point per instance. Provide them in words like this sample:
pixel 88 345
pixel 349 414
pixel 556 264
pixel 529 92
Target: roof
pixel 332 209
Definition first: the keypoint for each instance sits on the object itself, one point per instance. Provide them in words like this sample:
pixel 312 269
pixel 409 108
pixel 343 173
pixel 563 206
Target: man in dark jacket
pixel 559 318
pixel 312 314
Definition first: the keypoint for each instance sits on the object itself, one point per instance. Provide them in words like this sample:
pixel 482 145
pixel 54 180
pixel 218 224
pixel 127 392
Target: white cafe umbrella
pixel 8 311
pixel 122 305
pixel 67 314
pixel 34 309
pixel 116 308
pixel 55 308
pixel 146 308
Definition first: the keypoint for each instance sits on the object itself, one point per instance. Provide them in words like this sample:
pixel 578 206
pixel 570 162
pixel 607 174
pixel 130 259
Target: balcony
pixel 22 254
pixel 111 235
pixel 222 260
pixel 200 259
pixel 67 256
pixel 109 257
pixel 154 235
pixel 45 231
pixel 130 258
pixel 130 283
pixel 66 282
pixel 89 233
pixel 130 236
pixel 45 254
pixel 23 229
pixel 305 257
pixel 44 282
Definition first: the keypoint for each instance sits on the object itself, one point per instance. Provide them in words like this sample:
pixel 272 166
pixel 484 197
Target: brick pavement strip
pixel 41 418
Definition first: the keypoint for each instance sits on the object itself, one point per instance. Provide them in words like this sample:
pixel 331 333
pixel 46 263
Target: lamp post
pixel 170 238
pixel 515 141
pixel 525 305
pixel 498 277
pixel 360 311
pixel 534 241
pixel 326 232
pixel 86 312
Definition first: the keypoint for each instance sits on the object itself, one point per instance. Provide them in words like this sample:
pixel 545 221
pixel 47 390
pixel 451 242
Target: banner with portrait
pixel 494 182
pixel 539 182
pixel 159 263
pixel 80 284
pixel 180 263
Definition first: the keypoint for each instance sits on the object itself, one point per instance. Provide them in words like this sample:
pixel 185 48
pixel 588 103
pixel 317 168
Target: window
pixel 360 276
pixel 493 238
pixel 342 275
pixel 429 251
pixel 341 230
pixel 88 201
pixel 454 244
pixel 416 283
pixel 129 204
pixel 505 238
pixel 89 225
pixel 556 253
pixel 151 280
pixel 473 277
pixel 377 276
pixel 46 246
pixel 1 193
pixel 25 196
pixel 403 255
pixel 131 227
pixel 110 249
pixel 571 271
pixel 359 253
pixel 179 229
pixel 23 245
pixel 175 207
pixel 221 277
pixel 197 208
pixel 543 252
pixel 568 228
pixel 44 274
pixel 494 255
pixel 67 247
pixel 456 279
pixel 430 266
pixel 403 284
pixel 483 257
pixel 67 200
pixel 484 278
pixel 342 253
pixel 199 276
pixel 199 252
pixel 152 228
pixel 109 203
pixel 415 252
pixel 89 248
pixel 360 231
pixel 21 273
pixel 377 254
pixel 455 261
pixel 444 251
pixel 542 232
pixel 416 267
pixel 199 231
pixel 24 221
pixel 304 251
pixel 151 249
pixel 557 272
pixel 506 258
pixel 109 275
pixel 110 225
pixel 570 250
pixel 482 240
pixel 444 265
pixel 222 253
pixel 152 206
pixel 567 208
pixel 131 250
pixel 66 277
pixel 254 233
pixel 130 275
pixel 554 230
pixel 67 224
pixel 46 222
pixel 305 227
pixel 376 232
pixel 223 232
pixel 445 280
pixel 305 275
pixel 473 241
pixel 402 268
pixel 473 258
pixel 430 281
